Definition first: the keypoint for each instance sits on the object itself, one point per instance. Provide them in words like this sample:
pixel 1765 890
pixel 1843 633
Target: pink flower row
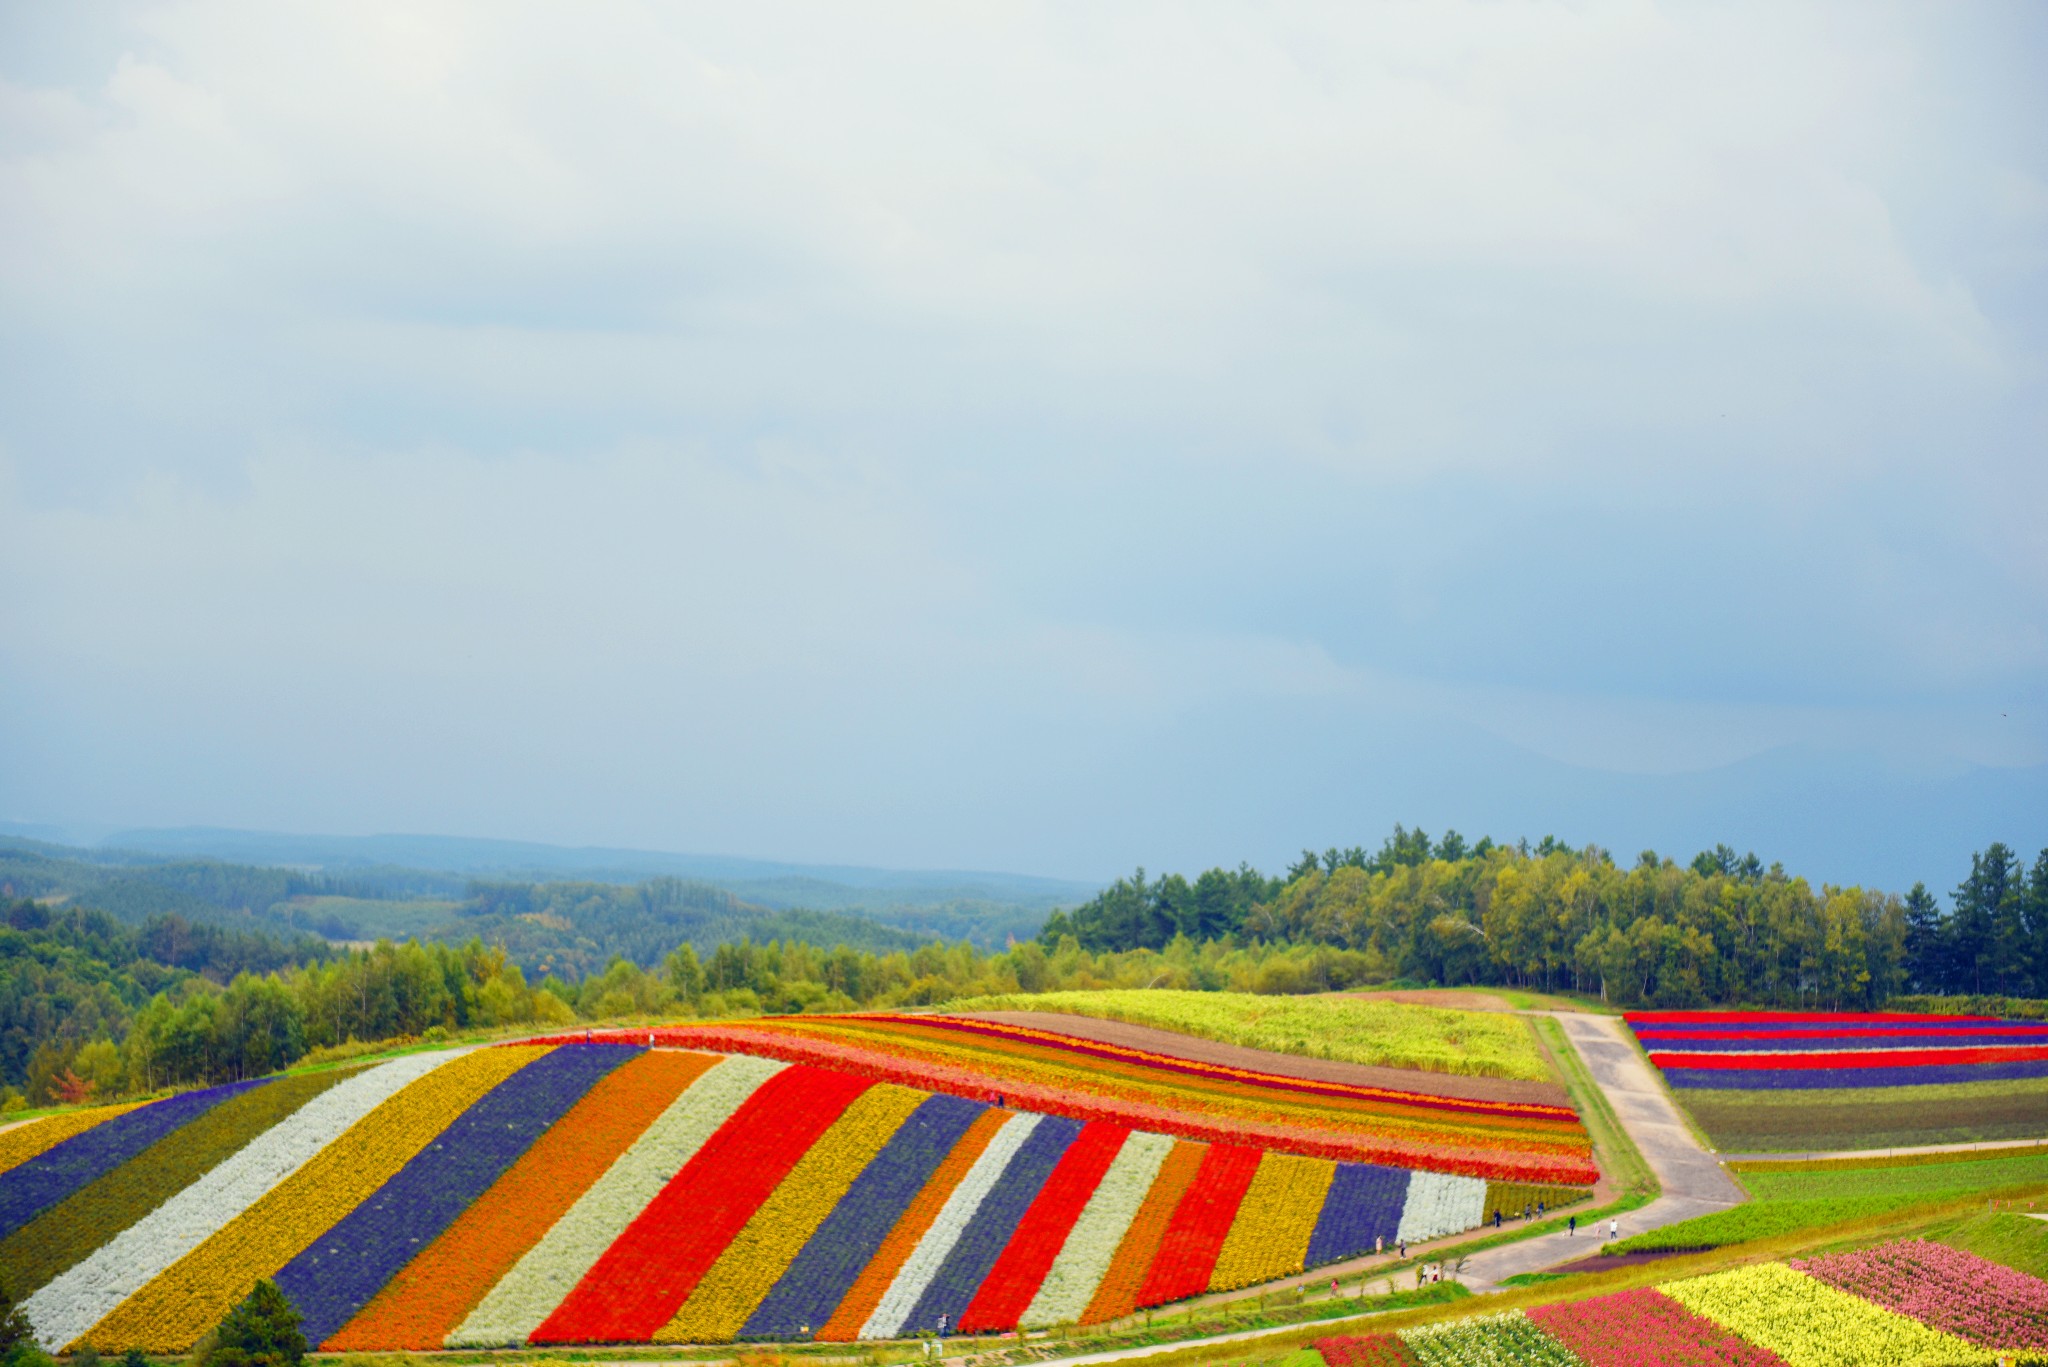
pixel 1944 1288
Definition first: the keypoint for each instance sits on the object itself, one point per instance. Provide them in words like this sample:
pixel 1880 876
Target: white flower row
pixel 543 1279
pixel 930 1254
pixel 1071 1280
pixel 1441 1203
pixel 79 1299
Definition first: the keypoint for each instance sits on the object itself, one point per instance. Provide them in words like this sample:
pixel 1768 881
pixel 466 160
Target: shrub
pixel 263 1331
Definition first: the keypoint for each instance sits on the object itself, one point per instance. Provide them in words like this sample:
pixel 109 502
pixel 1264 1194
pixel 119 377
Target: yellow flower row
pixel 735 1285
pixel 36 1137
pixel 1275 1221
pixel 192 1295
pixel 1810 1324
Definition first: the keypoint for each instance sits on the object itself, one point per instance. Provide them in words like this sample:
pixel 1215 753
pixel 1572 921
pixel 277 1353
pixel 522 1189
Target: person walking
pixel 1613 1227
pixel 1573 1232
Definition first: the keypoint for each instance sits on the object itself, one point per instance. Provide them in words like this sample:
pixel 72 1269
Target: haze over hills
pixel 531 896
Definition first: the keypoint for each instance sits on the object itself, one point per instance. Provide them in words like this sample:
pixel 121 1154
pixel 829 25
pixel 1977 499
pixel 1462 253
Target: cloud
pixel 804 430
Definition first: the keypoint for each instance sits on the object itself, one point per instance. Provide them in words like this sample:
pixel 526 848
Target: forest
pixel 1720 929
pixel 92 1007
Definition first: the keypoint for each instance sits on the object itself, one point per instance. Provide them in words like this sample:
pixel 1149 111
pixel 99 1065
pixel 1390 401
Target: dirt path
pixel 1195 1050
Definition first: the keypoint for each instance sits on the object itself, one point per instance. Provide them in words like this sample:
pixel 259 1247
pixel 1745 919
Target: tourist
pixel 1573 1231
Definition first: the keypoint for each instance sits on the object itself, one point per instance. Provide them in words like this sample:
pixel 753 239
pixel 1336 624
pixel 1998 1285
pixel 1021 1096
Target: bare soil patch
pixel 1196 1050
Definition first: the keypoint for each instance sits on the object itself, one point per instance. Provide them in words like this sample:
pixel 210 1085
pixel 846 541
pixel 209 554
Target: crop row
pixel 1901 1303
pixel 605 1192
pixel 1511 1141
pixel 1766 1051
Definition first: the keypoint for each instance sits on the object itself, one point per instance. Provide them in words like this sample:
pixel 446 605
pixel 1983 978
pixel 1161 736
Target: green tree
pixel 15 1331
pixel 263 1331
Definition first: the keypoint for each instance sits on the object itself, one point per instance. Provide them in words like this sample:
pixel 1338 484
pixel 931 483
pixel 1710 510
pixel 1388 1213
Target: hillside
pixel 606 1192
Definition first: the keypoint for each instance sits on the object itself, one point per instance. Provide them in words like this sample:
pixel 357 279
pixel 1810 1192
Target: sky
pixel 1045 438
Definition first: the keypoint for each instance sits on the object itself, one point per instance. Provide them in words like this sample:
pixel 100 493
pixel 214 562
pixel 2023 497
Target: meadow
pixel 1345 1028
pixel 1788 1197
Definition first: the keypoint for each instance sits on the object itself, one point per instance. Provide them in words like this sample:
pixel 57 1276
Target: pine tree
pixel 1927 950
pixel 263 1331
pixel 15 1331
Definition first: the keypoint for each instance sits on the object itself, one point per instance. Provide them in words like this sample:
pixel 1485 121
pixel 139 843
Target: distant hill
pixel 987 908
pixel 566 928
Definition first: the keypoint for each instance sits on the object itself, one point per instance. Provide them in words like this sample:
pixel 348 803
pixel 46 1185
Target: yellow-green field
pixel 1388 1034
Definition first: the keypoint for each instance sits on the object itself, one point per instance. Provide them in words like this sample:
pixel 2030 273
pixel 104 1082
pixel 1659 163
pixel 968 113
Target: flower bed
pixel 99 1285
pixel 434 1293
pixel 1777 1051
pixel 591 1192
pixel 1646 1328
pixel 1201 1222
pixel 190 1297
pixel 336 1275
pixel 649 1270
pixel 749 1266
pixel 68 1232
pixel 1901 1303
pixel 1054 1074
pixel 1006 1292
pixel 32 1187
pixel 822 1277
pixel 1946 1288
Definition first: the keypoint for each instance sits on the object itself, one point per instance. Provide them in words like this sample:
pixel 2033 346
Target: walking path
pixel 1693 1180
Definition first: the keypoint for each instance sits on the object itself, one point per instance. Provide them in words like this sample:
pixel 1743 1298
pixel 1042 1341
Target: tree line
pixel 1720 929
pixel 92 1008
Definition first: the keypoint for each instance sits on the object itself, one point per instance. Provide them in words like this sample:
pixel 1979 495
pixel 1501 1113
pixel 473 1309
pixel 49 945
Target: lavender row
pixel 1364 1204
pixel 1809 1079
pixel 1662 1044
pixel 988 1233
pixel 805 1296
pixel 33 1187
pixel 338 1274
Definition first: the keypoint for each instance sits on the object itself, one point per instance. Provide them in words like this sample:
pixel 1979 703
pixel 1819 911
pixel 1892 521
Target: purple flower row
pixel 1797 1079
pixel 1364 1203
pixel 341 1270
pixel 832 1260
pixel 33 1187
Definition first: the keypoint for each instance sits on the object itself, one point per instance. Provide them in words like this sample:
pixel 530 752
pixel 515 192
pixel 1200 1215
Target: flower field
pixel 1090 1081
pixel 1900 1303
pixel 1782 1050
pixel 605 1191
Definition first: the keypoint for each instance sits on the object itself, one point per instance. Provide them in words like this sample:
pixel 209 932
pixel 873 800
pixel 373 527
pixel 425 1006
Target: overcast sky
pixel 1043 438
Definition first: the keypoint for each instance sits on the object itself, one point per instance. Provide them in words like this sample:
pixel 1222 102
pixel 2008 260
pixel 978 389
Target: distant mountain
pixel 984 907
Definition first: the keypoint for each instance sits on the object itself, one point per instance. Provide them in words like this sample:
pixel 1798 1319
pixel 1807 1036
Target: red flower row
pixel 1007 1290
pixel 1194 1237
pixel 651 1269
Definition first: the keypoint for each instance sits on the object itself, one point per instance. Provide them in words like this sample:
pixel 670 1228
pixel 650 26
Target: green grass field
pixel 1390 1034
pixel 1869 1118
pixel 1788 1200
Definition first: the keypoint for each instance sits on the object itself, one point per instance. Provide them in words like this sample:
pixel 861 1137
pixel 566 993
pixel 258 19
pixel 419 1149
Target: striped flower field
pixel 604 1191
pixel 1913 1302
pixel 1791 1050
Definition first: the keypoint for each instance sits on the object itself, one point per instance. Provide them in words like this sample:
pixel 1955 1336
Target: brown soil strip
pixel 1196 1050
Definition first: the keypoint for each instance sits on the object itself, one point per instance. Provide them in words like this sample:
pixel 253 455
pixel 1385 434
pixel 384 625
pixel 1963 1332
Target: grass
pixel 1788 1200
pixel 2017 1241
pixel 1963 1173
pixel 1869 1117
pixel 1349 1029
